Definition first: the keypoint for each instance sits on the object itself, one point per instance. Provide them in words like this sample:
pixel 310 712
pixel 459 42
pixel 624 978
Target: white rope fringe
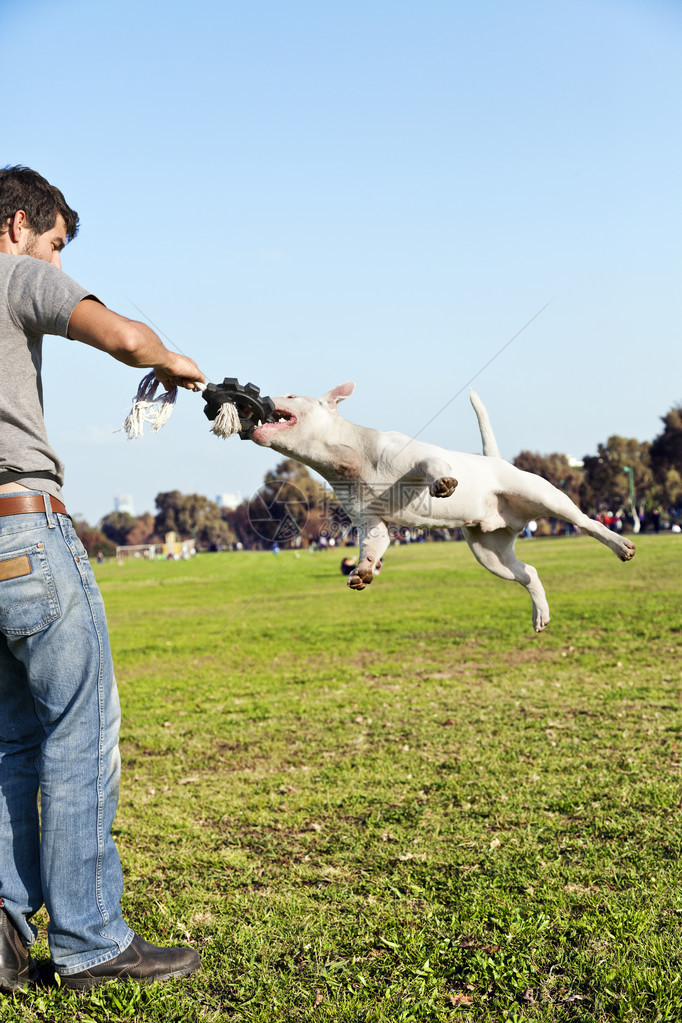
pixel 147 408
pixel 155 411
pixel 226 423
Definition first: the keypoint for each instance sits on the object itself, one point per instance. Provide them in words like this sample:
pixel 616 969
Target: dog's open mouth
pixel 281 419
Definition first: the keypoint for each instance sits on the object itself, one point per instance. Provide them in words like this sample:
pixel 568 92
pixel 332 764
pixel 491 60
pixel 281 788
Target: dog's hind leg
pixel 542 498
pixel 495 551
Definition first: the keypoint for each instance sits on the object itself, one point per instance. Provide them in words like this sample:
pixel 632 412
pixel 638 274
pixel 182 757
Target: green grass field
pixel 399 804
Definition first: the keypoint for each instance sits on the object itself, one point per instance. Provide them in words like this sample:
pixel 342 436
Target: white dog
pixel 387 477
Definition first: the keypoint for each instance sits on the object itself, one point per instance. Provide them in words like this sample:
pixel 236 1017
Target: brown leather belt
pixel 23 504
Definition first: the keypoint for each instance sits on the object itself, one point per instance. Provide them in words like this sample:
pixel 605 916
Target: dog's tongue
pixel 252 408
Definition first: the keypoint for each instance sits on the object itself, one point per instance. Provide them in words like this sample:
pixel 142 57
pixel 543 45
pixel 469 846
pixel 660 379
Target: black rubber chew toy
pixel 251 407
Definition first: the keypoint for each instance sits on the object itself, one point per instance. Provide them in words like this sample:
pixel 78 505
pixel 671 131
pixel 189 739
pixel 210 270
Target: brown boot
pixel 140 961
pixel 17 969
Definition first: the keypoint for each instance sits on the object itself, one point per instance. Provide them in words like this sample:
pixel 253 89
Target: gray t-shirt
pixel 35 299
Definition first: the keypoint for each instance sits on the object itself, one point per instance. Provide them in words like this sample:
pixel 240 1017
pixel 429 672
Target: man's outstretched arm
pixel 132 343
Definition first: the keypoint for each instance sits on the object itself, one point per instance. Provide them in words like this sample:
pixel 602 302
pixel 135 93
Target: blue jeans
pixel 59 722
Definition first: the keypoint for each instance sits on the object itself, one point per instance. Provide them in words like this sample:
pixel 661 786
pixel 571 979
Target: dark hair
pixel 24 189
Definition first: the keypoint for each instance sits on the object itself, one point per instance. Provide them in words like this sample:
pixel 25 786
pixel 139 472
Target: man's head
pixel 35 219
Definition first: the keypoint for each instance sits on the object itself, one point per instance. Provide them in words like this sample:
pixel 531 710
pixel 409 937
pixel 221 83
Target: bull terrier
pixel 388 477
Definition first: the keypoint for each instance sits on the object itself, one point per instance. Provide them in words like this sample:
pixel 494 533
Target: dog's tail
pixel 487 436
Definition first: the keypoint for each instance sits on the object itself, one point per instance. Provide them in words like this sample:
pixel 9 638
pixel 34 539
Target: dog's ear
pixel 337 394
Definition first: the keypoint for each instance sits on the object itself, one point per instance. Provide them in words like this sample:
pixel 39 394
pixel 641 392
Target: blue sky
pixel 300 194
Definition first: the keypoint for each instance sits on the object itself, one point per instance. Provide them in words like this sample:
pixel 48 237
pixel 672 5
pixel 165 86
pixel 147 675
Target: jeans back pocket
pixel 28 597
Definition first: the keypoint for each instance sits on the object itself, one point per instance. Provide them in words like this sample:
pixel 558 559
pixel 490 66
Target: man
pixel 59 710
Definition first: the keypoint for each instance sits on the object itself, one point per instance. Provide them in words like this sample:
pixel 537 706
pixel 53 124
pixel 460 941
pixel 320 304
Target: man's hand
pixel 180 371
pixel 133 343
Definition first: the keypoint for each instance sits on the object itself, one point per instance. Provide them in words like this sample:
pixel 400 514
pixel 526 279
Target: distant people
pixel 530 529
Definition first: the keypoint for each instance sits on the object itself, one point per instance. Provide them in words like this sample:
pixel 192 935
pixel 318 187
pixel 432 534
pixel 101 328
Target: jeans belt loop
pixel 49 514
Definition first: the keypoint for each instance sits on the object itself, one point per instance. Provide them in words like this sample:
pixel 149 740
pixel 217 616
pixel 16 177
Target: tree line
pixel 625 478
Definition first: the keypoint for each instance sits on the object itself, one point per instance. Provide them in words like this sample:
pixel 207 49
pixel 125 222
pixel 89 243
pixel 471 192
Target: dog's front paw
pixel 362 574
pixel 358 580
pixel 443 487
pixel 627 550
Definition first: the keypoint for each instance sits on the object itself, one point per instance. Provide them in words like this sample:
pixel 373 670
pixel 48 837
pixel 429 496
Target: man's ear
pixel 337 394
pixel 15 225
